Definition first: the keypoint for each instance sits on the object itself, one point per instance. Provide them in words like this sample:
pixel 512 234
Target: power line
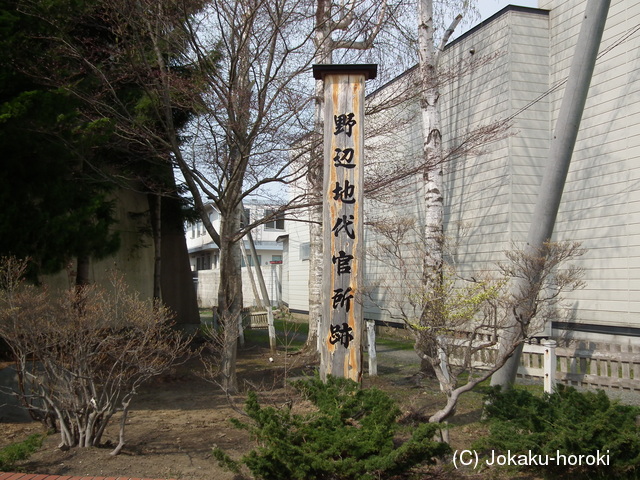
pixel 618 42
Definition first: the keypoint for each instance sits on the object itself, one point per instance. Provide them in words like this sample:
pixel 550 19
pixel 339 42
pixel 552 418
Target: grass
pixel 206 315
pixel 293 334
pixel 16 452
pixel 289 335
pixel 394 343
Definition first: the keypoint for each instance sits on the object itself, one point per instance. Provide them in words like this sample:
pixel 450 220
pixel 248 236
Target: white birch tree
pixel 429 52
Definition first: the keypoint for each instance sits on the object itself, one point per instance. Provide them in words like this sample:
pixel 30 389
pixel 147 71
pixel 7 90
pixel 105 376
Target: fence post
pixel 371 343
pixel 550 362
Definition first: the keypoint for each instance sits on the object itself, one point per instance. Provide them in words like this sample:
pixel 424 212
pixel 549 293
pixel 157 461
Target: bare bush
pixel 457 322
pixel 283 360
pixel 81 355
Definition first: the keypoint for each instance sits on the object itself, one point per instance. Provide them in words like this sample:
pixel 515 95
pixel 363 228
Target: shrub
pixel 569 422
pixel 82 355
pixel 351 434
pixel 16 452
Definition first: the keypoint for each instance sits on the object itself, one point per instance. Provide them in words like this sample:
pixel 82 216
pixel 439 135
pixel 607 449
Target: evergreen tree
pixel 53 207
pixel 78 123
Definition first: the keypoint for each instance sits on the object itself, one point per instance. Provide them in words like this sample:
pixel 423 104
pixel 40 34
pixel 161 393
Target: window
pixel 305 251
pixel 276 223
pixel 193 230
pixel 203 262
pixel 276 258
pixel 251 262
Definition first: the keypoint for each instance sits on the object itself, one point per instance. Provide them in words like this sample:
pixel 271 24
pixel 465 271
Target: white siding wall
pixel 490 194
pixel 295 269
pixel 208 281
pixel 601 204
pixel 134 259
pixel 393 144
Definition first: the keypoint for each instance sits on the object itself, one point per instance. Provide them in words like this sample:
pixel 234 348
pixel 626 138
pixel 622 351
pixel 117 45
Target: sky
pixel 489 7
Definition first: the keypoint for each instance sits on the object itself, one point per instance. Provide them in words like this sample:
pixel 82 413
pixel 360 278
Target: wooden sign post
pixel 341 327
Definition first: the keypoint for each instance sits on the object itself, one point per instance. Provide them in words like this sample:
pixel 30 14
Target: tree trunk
pixel 230 296
pixel 323 56
pixel 83 265
pixel 315 278
pixel 178 292
pixel 432 146
pixel 155 202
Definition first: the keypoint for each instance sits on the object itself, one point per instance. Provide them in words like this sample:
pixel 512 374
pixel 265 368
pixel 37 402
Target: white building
pixel 204 256
pixel 491 194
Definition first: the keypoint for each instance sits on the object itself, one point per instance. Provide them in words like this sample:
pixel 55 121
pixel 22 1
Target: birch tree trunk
pixel 433 228
pixel 323 56
pixel 431 147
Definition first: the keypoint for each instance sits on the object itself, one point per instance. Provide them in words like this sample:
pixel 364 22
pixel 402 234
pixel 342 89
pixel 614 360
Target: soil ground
pixel 177 419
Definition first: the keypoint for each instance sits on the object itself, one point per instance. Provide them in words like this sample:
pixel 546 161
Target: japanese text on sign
pixel 344 193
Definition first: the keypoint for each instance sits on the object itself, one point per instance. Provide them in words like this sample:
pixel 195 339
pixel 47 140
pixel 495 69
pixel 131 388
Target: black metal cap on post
pixel 370 70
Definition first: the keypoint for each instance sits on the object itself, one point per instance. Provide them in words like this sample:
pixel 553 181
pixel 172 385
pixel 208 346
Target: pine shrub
pixel 568 422
pixel 351 434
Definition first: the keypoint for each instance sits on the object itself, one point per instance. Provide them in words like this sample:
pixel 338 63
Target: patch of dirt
pixel 176 420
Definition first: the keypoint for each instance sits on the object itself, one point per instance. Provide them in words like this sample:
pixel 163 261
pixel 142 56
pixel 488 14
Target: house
pixel 490 193
pixel 204 255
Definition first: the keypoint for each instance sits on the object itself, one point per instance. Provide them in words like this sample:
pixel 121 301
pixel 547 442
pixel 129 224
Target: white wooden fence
pixel 589 364
pixel 595 365
pixel 586 364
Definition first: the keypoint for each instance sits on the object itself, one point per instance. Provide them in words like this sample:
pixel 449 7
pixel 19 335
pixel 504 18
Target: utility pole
pixel 265 296
pixel 555 174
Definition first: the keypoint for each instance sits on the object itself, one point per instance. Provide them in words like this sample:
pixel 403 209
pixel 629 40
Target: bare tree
pixel 82 356
pixel 457 322
pixel 256 107
pixel 239 71
pixel 422 87
pixel 430 51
